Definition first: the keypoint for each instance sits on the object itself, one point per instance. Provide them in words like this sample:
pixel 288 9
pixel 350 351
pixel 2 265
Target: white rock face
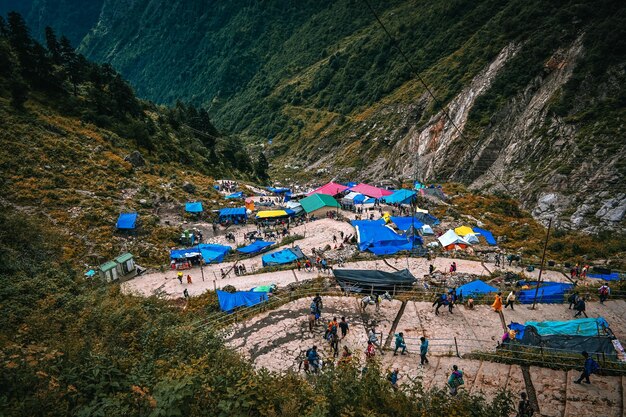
pixel 613 210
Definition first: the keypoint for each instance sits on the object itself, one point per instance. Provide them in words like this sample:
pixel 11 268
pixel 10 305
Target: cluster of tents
pixel 464 236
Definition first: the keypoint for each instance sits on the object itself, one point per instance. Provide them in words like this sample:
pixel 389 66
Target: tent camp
pixel 209 252
pixel 235 215
pixel 255 247
pixel 463 230
pixel 370 190
pixel 471 238
pixel 486 234
pixel 366 281
pixel 319 204
pixel 285 256
pixel 238 194
pixel 549 292
pixel 374 236
pixel 193 207
pixel 589 334
pixel 230 301
pixel 295 206
pixel 331 189
pixel 126 221
pixel 451 240
pixel 400 197
pixel 475 289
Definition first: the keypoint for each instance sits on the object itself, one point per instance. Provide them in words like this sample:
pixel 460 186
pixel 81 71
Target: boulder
pixel 136 159
pixel 189 187
pixel 613 210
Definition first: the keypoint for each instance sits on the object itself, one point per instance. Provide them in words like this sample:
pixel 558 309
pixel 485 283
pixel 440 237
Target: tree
pixel 261 167
pixel 19 92
pixel 54 48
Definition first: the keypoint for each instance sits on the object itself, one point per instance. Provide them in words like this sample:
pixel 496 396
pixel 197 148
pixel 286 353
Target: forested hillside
pixel 536 88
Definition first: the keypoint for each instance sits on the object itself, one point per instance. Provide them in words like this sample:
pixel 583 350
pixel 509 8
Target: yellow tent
pixel 267 214
pixel 463 230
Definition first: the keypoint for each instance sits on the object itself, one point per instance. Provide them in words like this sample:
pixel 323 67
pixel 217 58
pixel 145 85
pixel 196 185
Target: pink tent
pixel 331 188
pixel 370 190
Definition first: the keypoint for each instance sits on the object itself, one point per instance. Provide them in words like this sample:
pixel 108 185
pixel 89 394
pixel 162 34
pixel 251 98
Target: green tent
pixel 315 202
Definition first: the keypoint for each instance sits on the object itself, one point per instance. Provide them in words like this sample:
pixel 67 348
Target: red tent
pixel 370 190
pixel 332 189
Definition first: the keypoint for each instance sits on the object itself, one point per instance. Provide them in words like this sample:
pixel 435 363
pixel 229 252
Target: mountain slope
pixel 537 88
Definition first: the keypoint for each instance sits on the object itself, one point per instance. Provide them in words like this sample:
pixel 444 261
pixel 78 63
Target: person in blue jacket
pixel 313 358
pixel 589 368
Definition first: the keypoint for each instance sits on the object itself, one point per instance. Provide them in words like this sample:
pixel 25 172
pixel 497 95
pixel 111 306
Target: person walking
pixel 314 359
pixel 343 325
pixel 370 352
pixel 510 299
pixel 497 303
pixel 581 307
pixel 179 275
pixel 319 305
pixel 189 279
pixel 572 300
pixel 334 344
pixel 455 380
pixel 604 291
pixel 589 367
pixel 524 408
pixel 400 344
pixel 431 269
pixel 423 351
pixel 393 378
pixel 185 293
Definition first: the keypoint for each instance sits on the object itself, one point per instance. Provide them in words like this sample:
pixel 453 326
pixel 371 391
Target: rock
pixel 135 159
pixel 143 201
pixel 613 210
pixel 189 187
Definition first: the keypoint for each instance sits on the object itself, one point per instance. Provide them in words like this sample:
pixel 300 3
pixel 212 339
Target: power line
pixel 428 90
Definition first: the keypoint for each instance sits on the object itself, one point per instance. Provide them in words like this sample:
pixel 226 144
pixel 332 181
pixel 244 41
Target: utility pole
pixel 543 258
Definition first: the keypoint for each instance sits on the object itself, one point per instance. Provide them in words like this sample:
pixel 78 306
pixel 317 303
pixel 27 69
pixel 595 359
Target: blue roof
pixel 184 253
pixel 233 212
pixel 230 301
pixel 282 257
pixel 193 207
pixel 405 223
pixel 614 276
pixel 474 288
pixel 549 292
pixel 486 234
pixel 126 221
pixel 278 190
pixel 400 197
pixel 379 239
pixel 238 194
pixel 579 327
pixel 255 247
pixel 210 253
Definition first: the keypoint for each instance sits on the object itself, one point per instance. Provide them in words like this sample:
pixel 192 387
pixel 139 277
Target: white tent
pixel 427 230
pixel 450 239
pixel 471 238
pixel 294 205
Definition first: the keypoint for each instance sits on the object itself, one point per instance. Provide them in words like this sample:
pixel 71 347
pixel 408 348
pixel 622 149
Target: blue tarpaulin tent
pixel 278 190
pixel 428 219
pixel 193 207
pixel 230 301
pixel 475 288
pixel 184 253
pixel 255 247
pixel 374 236
pixel 614 276
pixel 549 292
pixel 405 223
pixel 213 253
pixel 285 256
pixel 238 194
pixel 126 221
pixel 577 327
pixel 486 234
pixel 232 214
pixel 400 197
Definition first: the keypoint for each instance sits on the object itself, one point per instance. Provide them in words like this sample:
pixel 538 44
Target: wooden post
pixel 543 258
pixel 456 346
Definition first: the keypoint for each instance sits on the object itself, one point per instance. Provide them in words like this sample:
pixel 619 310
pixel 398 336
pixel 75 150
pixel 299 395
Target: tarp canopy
pixel 549 292
pixel 213 253
pixel 576 327
pixel 371 191
pixel 400 197
pixel 404 223
pixel 374 236
pixel 318 201
pixel 449 239
pixel 487 235
pixel 230 301
pixel 428 219
pixel 238 194
pixel 427 230
pixel 463 230
pixel 474 288
pixel 471 238
pixel 331 189
pixel 356 280
pixel 226 213
pixel 295 206
pixel 184 253
pixel 285 256
pixel 280 190
pixel 353 198
pixel 269 214
pixel 614 276
pixel 255 247
pixel 193 207
pixel 126 221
